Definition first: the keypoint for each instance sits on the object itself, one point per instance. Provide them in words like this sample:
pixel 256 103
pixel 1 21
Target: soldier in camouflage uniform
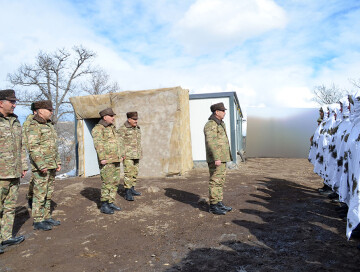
pixel 130 135
pixel 29 195
pixel 45 162
pixel 13 165
pixel 108 149
pixel 217 154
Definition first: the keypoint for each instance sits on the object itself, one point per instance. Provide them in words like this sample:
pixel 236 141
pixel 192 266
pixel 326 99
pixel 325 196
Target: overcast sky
pixel 272 53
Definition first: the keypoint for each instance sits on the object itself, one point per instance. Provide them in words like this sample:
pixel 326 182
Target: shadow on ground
pixel 187 198
pixel 303 236
pixel 92 194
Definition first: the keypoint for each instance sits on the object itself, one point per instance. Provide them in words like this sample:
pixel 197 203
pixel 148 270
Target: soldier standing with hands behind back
pixel 45 162
pixel 13 165
pixel 217 154
pixel 108 149
pixel 130 135
pixel 29 118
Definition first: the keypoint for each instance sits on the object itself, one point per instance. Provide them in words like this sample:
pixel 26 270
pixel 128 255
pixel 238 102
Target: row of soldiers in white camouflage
pixel 335 154
pixel 39 137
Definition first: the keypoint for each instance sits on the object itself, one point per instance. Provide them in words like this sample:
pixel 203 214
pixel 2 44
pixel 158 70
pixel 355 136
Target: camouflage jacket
pixel 12 151
pixel 216 141
pixel 106 142
pixel 42 144
pixel 24 129
pixel 131 140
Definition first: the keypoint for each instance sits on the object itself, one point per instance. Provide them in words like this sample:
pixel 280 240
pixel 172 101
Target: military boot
pixel 13 241
pixel 52 222
pixel 114 207
pixel 42 226
pixel 128 195
pixel 105 208
pixel 215 209
pixel 223 207
pixel 135 193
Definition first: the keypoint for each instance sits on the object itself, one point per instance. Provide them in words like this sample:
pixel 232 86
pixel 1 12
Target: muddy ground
pixel 279 223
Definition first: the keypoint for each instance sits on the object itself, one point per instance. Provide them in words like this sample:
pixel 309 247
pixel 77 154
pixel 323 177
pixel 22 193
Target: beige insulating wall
pixel 164 120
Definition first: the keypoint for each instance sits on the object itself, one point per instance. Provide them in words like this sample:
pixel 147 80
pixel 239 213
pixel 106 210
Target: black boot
pixel 223 207
pixel 13 241
pixel 114 207
pixel 333 196
pixel 135 193
pixel 324 188
pixel 30 203
pixel 52 222
pixel 215 209
pixel 42 226
pixel 105 208
pixel 128 195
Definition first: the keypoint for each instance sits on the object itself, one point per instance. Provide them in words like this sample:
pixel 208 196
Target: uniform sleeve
pixel 98 139
pixel 140 145
pixel 120 135
pixel 23 154
pixel 34 136
pixel 211 138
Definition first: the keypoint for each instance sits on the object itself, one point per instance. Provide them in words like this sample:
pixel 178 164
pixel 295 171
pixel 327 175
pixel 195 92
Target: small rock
pixel 153 189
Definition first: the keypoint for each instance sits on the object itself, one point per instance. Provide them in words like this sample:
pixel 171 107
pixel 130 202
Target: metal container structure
pixel 199 114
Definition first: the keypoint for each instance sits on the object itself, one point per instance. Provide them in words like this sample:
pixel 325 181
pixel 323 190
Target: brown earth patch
pixel 278 223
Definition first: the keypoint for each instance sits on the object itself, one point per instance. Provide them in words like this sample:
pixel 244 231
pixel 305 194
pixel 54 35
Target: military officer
pixel 108 149
pixel 13 165
pixel 217 154
pixel 25 126
pixel 45 162
pixel 130 134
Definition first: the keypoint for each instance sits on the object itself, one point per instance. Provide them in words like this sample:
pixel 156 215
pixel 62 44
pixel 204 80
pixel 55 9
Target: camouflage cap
pixel 107 111
pixel 8 94
pixel 43 104
pixel 218 106
pixel 132 115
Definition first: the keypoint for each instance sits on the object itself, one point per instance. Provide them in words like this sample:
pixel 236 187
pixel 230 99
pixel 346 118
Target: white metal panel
pixel 199 114
pixel 90 157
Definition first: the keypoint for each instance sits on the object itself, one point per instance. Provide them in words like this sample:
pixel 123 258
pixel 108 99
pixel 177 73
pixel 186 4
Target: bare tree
pixel 355 82
pixel 99 83
pixel 54 76
pixel 324 95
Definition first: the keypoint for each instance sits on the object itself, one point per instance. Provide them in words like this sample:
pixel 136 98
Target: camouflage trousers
pixel 42 193
pixel 8 197
pixel 31 188
pixel 216 182
pixel 110 176
pixel 131 170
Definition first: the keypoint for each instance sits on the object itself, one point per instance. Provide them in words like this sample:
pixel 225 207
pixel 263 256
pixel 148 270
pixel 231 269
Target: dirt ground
pixel 278 223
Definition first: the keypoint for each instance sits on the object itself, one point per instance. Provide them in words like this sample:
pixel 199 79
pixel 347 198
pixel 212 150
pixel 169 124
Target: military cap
pixel 43 104
pixel 107 111
pixel 218 106
pixel 132 115
pixel 8 94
